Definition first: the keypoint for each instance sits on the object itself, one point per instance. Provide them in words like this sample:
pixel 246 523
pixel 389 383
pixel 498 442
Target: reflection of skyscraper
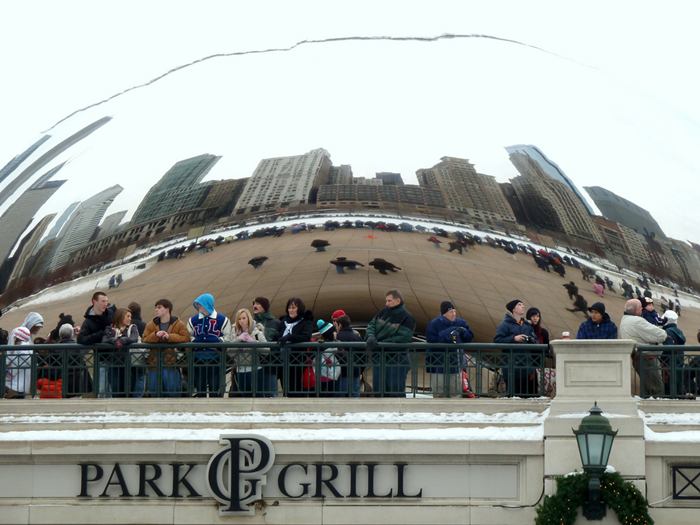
pixel 110 224
pixel 549 169
pixel 178 190
pixel 82 224
pixel 20 214
pixel 623 211
pixel 60 222
pixel 19 159
pixel 550 203
pixel 467 191
pixel 47 157
pixel 284 182
pixel 22 259
pixel 390 179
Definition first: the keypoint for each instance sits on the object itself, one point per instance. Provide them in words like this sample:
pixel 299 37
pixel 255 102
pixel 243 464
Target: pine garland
pixel 622 496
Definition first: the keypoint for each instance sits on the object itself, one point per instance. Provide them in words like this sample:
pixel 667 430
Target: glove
pixel 371 343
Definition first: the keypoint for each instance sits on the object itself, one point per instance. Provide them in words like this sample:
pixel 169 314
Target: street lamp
pixel 594 438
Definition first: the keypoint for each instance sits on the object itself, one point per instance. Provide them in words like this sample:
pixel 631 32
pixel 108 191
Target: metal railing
pixel 329 369
pixel 669 371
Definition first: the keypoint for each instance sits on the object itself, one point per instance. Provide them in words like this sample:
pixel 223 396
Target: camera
pixel 529 340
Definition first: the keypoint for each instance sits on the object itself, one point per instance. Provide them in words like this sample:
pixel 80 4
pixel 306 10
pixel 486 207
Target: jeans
pixel 344 382
pixel 206 377
pixel 265 383
pixel 391 383
pixel 146 382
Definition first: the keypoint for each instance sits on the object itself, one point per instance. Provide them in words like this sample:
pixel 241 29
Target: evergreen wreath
pixel 622 496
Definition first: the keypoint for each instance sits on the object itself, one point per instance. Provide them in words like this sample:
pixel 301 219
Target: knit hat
pixel 598 307
pixel 646 301
pixel 22 333
pixel 264 302
pixel 511 305
pixel 670 316
pixel 532 311
pixel 323 326
pixel 445 307
pixel 338 314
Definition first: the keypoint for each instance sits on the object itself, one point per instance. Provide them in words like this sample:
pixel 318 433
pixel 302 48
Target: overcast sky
pixel 611 95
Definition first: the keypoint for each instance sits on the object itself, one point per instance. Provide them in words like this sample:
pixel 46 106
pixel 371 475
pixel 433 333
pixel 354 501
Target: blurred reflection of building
pixel 223 196
pixel 19 215
pixel 340 174
pixel 473 194
pixel 623 211
pixel 364 181
pixel 407 198
pixel 19 159
pixel 390 179
pixel 218 203
pixel 110 224
pixel 179 190
pixel 81 225
pixel 550 203
pixel 20 264
pixel 47 157
pixel 59 224
pixel 283 183
pixel 549 169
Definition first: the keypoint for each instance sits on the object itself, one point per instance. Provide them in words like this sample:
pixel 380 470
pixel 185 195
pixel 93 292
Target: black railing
pixel 268 369
pixel 686 481
pixel 668 371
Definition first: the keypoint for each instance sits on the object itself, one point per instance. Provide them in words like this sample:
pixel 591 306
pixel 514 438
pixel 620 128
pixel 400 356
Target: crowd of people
pixel 109 334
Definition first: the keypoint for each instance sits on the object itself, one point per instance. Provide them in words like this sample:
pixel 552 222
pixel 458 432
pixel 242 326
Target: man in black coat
pixel 97 317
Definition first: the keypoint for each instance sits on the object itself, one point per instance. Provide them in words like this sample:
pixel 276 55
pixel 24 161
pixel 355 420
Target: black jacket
pixel 349 335
pixel 92 330
pixel 301 332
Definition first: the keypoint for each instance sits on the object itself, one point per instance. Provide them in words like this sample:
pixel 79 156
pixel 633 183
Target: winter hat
pixel 598 307
pixel 445 307
pixel 511 305
pixel 670 316
pixel 323 326
pixel 338 314
pixel 33 319
pixel 532 311
pixel 21 333
pixel 66 331
pixel 206 300
pixel 264 302
pixel 646 301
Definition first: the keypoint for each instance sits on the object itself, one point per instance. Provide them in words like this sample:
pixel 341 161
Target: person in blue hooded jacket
pixel 208 326
pixel 445 364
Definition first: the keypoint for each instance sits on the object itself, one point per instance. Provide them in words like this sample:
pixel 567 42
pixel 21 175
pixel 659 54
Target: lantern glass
pixel 595 450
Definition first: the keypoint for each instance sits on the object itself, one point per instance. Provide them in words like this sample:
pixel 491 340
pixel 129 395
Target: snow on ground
pixel 533 433
pixel 581 415
pixel 687 418
pixel 692 436
pixel 512 418
pixel 83 285
pixel 670 419
pixel 100 279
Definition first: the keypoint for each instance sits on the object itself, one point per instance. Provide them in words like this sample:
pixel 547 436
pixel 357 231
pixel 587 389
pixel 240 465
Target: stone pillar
pixel 590 371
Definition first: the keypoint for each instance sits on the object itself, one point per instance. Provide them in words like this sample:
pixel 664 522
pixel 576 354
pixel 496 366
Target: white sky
pixel 620 111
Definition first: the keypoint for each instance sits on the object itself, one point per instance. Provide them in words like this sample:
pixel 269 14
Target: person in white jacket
pixel 18 365
pixel 635 327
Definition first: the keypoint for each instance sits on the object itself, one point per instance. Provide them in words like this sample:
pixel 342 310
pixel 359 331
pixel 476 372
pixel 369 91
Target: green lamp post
pixel 594 438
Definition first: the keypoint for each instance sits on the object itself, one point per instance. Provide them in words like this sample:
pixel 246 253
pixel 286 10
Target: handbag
pixel 330 367
pixel 308 378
